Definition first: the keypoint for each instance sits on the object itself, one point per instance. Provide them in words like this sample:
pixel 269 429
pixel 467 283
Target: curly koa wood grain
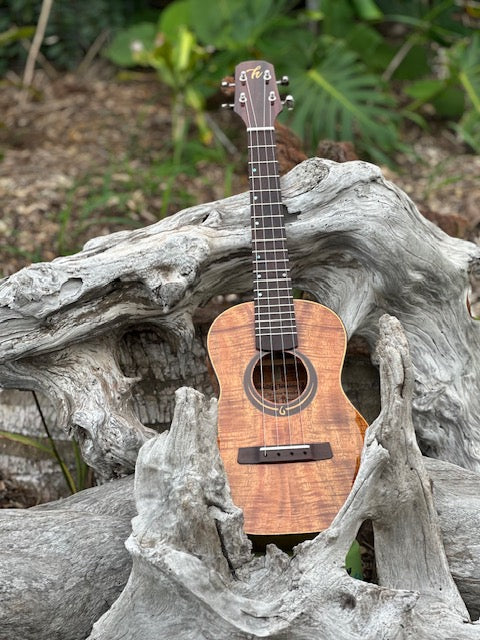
pixel 358 245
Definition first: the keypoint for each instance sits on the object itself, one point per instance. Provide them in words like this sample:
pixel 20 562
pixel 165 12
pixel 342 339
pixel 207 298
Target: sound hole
pixel 279 377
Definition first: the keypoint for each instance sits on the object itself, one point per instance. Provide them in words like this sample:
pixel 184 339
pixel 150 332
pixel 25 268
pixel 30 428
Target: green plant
pixel 339 99
pixel 72 28
pixel 170 48
pixel 353 63
pixel 82 470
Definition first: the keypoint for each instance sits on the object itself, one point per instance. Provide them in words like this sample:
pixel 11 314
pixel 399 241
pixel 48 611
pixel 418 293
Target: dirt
pixel 75 160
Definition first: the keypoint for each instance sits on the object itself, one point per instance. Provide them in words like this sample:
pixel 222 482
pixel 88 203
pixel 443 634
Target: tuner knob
pixel 227 105
pixel 226 85
pixel 284 81
pixel 289 102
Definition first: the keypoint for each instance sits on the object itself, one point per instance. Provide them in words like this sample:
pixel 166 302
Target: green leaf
pixel 353 561
pixel 424 90
pixel 339 99
pixel 465 60
pixel 27 441
pixel 469 129
pixel 173 17
pixel 449 103
pixel 375 51
pixel 140 36
pixel 367 10
pixel 16 33
pixel 414 65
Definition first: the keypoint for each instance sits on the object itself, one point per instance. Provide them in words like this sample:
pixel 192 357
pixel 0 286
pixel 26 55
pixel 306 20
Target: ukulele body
pixel 289 496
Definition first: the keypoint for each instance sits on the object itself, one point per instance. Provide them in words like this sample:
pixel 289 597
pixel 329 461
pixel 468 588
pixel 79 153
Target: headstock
pixel 257 100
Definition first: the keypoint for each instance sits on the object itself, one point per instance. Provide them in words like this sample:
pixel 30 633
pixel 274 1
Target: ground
pixel 87 156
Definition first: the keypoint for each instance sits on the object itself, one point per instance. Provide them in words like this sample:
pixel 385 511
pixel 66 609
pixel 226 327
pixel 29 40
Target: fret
pixel 261 146
pixel 262 161
pixel 280 216
pixel 260 129
pixel 272 229
pixel 266 190
pixel 273 320
pixel 274 294
pixel 281 305
pixel 287 269
pixel 265 175
pixel 262 204
pixel 274 333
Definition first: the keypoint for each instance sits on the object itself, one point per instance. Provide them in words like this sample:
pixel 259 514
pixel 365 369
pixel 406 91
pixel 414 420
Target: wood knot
pixel 348 601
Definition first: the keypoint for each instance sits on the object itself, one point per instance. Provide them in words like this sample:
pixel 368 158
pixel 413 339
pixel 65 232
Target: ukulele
pixel 289 438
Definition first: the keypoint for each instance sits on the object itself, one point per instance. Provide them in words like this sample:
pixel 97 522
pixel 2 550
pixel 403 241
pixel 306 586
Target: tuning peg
pixel 227 105
pixel 226 85
pixel 289 102
pixel 284 81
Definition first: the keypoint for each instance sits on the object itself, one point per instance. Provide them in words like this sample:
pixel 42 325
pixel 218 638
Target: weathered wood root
pixel 194 577
pixel 64 563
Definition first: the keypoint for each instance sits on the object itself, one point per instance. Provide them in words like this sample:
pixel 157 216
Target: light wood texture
pixel 286 498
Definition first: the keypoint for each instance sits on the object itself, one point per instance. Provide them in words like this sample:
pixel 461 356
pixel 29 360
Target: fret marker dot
pixel 259 295
pixel 255 197
pixel 257 223
pixel 254 169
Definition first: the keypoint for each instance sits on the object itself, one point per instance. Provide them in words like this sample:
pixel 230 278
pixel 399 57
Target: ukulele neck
pixel 275 327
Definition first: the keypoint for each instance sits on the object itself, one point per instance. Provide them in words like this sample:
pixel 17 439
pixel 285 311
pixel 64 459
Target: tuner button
pixel 226 85
pixel 227 105
pixel 289 102
pixel 284 81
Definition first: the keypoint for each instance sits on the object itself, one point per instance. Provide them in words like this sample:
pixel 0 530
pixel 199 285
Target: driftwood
pixel 110 333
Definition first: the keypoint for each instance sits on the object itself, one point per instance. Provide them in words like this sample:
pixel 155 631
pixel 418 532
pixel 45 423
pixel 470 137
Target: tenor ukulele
pixel 289 438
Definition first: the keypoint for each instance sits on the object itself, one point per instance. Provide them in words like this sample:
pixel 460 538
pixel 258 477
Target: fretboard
pixel 275 328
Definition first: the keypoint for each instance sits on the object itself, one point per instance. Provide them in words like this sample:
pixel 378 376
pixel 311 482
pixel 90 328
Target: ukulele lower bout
pixel 290 459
